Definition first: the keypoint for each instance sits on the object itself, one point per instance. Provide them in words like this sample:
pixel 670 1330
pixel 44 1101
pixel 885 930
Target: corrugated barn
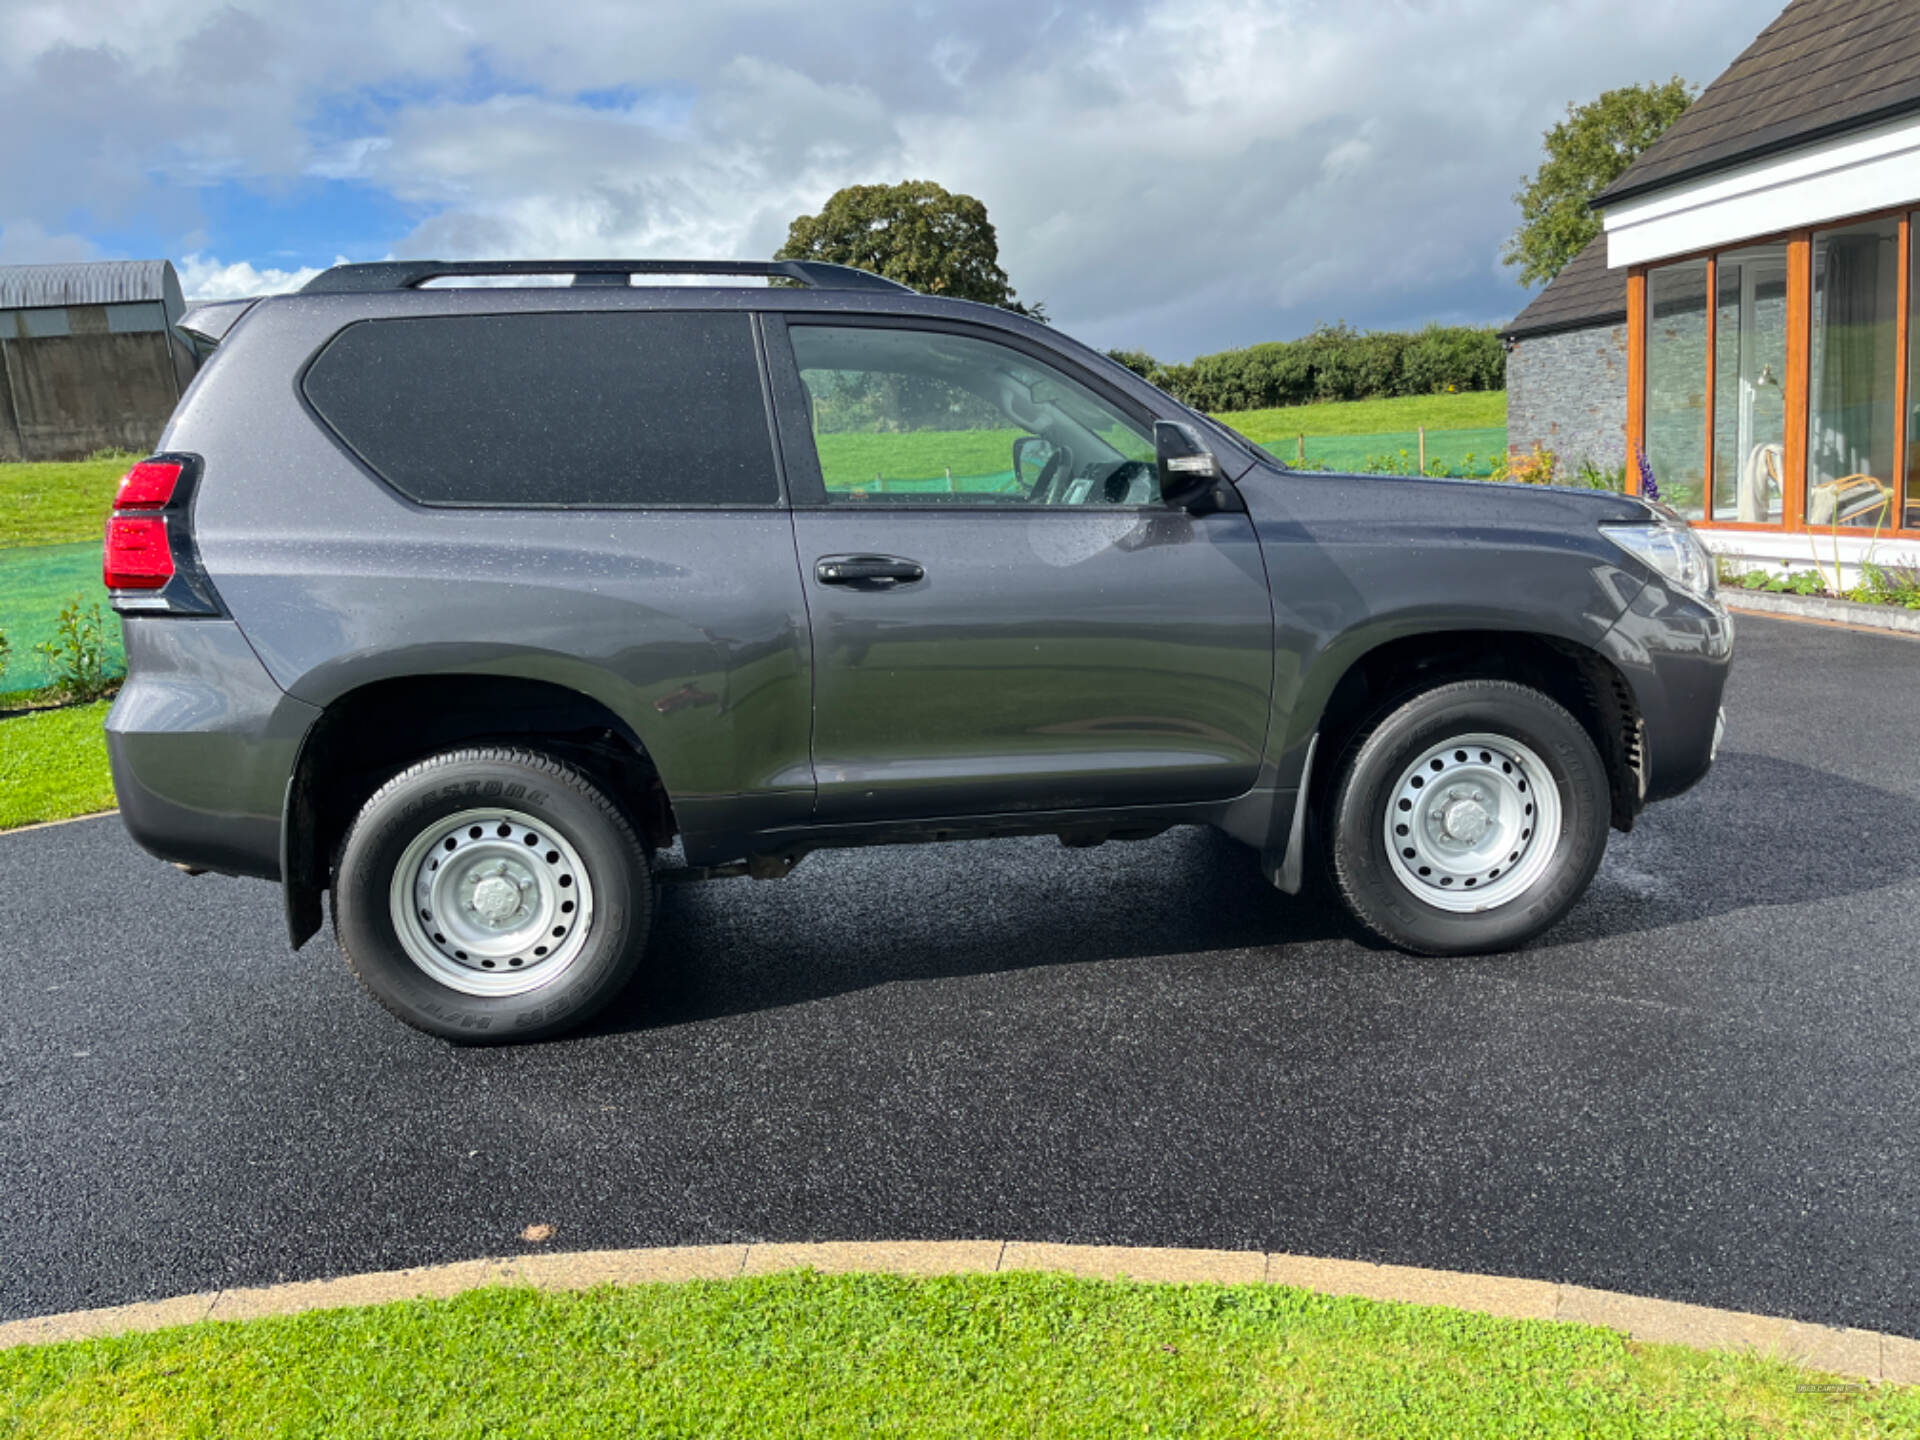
pixel 91 357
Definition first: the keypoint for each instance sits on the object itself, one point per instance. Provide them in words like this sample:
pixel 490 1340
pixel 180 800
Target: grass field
pixel 978 459
pixel 53 763
pixel 1472 410
pixel 982 459
pixel 54 504
pixel 803 1354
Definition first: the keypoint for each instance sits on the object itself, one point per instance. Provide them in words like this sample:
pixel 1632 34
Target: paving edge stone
pixel 1894 619
pixel 49 824
pixel 1859 1354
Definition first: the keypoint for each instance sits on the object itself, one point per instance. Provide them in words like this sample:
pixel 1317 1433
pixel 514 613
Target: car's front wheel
pixel 489 895
pixel 1470 818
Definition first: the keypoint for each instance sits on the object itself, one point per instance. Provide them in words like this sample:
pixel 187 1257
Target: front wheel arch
pixel 1581 680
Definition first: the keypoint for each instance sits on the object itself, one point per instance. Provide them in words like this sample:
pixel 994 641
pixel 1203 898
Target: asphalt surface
pixel 1702 1086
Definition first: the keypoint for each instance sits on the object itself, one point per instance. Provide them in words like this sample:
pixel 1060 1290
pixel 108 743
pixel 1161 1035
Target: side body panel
pixel 1049 660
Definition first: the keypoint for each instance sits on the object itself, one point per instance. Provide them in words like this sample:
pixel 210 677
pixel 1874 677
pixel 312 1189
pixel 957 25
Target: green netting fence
pixel 35 582
pixel 1454 452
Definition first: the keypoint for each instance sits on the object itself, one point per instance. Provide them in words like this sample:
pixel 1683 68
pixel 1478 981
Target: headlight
pixel 1670 547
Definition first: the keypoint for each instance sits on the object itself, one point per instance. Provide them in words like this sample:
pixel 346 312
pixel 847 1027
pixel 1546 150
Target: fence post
pixel 1303 448
pixel 1423 448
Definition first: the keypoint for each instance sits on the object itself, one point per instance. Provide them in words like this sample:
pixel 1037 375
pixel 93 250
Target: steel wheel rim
pixel 1473 823
pixel 492 902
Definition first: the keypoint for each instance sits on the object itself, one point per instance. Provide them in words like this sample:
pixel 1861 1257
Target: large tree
pixel 1586 152
pixel 915 232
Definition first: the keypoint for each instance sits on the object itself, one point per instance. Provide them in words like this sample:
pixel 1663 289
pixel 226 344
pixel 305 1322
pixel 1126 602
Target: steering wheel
pixel 1128 483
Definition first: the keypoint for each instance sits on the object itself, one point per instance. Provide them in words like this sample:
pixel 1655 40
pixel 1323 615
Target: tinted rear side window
pixel 626 408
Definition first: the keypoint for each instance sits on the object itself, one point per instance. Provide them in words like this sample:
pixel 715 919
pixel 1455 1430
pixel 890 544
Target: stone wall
pixel 1567 393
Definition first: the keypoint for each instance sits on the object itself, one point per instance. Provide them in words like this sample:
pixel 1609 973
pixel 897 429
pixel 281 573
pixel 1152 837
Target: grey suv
pixel 464 602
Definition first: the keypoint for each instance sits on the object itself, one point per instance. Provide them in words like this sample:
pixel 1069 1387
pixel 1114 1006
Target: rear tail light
pixel 148 485
pixel 138 554
pixel 150 562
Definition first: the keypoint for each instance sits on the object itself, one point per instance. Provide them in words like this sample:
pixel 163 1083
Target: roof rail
pixel 410 274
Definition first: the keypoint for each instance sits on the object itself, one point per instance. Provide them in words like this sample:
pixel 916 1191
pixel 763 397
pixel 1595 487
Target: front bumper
pixel 202 743
pixel 1676 652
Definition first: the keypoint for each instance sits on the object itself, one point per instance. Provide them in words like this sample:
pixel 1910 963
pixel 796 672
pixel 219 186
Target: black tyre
pixel 1468 819
pixel 492 895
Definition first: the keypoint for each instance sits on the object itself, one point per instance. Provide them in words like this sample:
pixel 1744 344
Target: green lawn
pixel 54 504
pixel 53 763
pixel 857 1355
pixel 1471 410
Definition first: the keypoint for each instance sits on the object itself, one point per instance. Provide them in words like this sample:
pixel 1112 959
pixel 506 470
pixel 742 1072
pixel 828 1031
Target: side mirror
pixel 1189 472
pixel 1031 455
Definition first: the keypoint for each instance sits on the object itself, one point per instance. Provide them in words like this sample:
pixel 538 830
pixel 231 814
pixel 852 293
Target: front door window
pixel 927 416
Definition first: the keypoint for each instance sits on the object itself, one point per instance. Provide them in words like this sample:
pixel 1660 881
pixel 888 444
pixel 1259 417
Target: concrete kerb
pixel 1858 1354
pixel 1820 610
pixel 49 824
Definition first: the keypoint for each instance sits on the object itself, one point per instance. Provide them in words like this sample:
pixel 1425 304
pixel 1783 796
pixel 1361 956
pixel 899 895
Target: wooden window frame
pixel 1798 399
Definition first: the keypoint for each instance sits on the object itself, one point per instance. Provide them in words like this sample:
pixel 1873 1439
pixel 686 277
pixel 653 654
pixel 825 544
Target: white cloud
pixel 1183 174
pixel 204 278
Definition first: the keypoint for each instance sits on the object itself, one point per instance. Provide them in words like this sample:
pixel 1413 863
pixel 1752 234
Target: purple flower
pixel 1649 488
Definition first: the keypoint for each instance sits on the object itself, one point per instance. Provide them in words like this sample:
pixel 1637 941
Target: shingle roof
pixel 1821 68
pixel 1584 293
pixel 101 282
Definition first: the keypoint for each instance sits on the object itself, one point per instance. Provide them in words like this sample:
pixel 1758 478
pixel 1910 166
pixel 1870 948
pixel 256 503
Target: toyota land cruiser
pixel 462 603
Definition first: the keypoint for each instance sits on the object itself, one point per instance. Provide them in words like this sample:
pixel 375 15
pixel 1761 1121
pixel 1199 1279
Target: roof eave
pixel 1560 327
pixel 1624 189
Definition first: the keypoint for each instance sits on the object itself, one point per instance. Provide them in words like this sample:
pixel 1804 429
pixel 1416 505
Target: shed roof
pixel 1584 293
pixel 1823 67
pixel 96 282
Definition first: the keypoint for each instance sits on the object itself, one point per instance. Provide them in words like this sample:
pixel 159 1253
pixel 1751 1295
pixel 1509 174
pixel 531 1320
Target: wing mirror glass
pixel 1031 456
pixel 1189 472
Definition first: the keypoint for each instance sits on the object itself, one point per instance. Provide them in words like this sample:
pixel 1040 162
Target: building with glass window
pixel 89 357
pixel 1746 319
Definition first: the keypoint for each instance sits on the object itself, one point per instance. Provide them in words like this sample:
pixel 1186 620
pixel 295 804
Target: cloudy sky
pixel 1182 175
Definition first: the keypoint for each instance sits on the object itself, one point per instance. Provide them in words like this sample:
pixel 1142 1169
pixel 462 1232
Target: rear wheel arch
pixel 367 735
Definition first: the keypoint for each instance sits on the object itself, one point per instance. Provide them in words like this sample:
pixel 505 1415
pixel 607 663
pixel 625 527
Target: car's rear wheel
pixel 490 895
pixel 1470 818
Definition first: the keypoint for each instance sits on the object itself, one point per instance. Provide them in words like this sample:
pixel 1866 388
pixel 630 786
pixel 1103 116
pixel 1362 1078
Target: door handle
pixel 883 570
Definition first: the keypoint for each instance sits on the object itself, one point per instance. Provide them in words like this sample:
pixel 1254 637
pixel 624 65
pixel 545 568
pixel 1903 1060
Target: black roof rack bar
pixel 410 274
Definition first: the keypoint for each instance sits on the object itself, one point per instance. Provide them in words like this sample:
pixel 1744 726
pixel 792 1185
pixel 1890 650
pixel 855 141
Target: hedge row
pixel 1335 362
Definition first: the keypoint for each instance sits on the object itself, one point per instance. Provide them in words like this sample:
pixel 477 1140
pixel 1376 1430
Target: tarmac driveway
pixel 1705 1085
